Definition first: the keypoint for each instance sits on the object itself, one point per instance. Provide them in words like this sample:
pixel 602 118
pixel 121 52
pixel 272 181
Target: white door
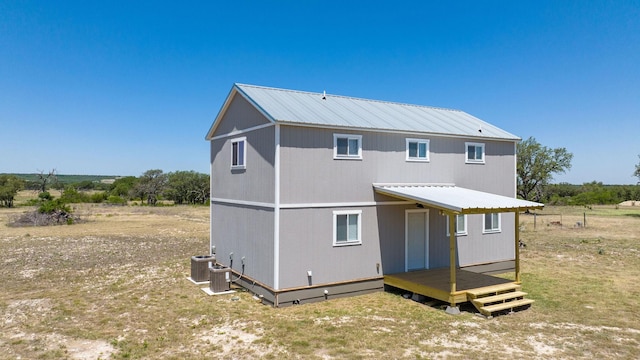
pixel 416 239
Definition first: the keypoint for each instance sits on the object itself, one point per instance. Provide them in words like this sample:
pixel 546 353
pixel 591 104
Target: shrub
pixel 56 205
pixel 116 200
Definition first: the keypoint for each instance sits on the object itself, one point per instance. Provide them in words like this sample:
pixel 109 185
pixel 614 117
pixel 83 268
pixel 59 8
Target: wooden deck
pixel 434 283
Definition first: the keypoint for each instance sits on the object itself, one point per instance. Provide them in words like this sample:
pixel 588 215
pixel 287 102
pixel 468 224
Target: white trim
pixel 459 233
pixel 348 137
pixel 344 204
pixel 417 158
pixel 335 226
pixel 276 212
pixel 243 202
pixel 492 231
pixel 310 205
pixel 211 244
pixel 227 102
pixel 466 155
pixel 406 237
pixel 239 140
pixel 244 131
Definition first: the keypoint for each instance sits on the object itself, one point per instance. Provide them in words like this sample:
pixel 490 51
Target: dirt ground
pixel 115 286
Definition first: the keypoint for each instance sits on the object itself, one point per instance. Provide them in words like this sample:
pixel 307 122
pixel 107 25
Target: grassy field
pixel 116 286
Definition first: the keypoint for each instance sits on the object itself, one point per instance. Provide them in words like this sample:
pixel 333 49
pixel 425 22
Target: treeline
pixel 151 188
pixel 593 193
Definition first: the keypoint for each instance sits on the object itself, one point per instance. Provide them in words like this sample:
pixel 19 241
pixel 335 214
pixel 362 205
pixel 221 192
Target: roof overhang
pixel 452 199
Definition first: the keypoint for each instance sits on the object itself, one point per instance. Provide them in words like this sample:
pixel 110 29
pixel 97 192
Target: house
pixel 317 196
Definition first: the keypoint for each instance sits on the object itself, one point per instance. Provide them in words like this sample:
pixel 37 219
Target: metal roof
pixel 455 199
pixel 317 109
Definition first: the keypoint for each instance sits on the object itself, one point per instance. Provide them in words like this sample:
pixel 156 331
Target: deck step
pixel 499 298
pixel 487 310
pixel 495 289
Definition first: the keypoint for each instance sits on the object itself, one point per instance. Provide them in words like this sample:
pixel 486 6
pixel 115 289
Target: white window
pixel 461 224
pixel 347 227
pixel 239 153
pixel 475 153
pixel 491 223
pixel 347 146
pixel 417 150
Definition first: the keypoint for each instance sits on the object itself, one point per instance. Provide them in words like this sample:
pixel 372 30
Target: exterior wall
pixel 475 248
pixel 239 115
pixel 246 232
pixel 256 182
pixel 472 249
pixel 306 243
pixel 310 175
pixel 307 153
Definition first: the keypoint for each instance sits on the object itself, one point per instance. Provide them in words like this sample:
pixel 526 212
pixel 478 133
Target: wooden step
pixel 479 292
pixel 499 298
pixel 487 310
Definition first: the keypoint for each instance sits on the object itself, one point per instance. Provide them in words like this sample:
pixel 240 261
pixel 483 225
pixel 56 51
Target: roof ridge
pixel 348 97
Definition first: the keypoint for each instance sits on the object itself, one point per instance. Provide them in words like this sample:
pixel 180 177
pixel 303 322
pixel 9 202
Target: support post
pixel 517 235
pixel 452 308
pixel 452 255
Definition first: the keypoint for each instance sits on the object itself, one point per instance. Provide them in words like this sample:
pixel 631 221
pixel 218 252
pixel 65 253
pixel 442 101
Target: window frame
pixel 358 241
pixel 349 137
pixel 417 158
pixel 495 228
pixel 243 165
pixel 466 153
pixel 459 233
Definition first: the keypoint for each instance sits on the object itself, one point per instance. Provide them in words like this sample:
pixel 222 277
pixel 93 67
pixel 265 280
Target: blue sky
pixel 122 87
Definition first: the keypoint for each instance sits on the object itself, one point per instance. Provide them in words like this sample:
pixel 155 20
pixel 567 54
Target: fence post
pixel 584 219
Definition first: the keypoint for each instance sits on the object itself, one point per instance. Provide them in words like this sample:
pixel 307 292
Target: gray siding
pixel 306 243
pixel 244 231
pixel 311 175
pixel 475 247
pixel 472 249
pixel 240 115
pixel 256 182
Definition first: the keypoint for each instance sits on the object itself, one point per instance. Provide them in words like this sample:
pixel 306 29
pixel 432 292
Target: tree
pixel 44 179
pixel 150 185
pixel 637 172
pixel 124 186
pixel 536 165
pixel 187 187
pixel 9 187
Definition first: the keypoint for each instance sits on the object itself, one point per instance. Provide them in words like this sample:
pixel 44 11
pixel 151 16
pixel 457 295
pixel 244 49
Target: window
pixel 346 227
pixel 238 153
pixel 491 223
pixel 461 225
pixel 347 146
pixel 475 153
pixel 417 150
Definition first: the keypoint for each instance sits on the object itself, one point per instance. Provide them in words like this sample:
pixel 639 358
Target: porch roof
pixel 454 199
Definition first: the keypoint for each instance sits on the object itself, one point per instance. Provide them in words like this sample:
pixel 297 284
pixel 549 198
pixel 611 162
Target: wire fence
pixel 556 220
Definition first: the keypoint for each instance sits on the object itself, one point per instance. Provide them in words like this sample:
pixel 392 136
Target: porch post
pixel 452 254
pixel 517 241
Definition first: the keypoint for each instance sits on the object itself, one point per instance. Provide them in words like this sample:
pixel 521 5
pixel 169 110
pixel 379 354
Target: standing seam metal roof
pixel 452 198
pixel 307 108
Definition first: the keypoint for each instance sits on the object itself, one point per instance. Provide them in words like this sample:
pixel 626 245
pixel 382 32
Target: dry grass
pixel 116 286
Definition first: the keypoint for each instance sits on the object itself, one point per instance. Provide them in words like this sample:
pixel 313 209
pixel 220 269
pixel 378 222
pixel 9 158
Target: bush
pixel 116 200
pixel 98 197
pixel 56 205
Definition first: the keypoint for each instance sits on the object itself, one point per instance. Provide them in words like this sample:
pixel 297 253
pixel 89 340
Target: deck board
pixel 434 283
